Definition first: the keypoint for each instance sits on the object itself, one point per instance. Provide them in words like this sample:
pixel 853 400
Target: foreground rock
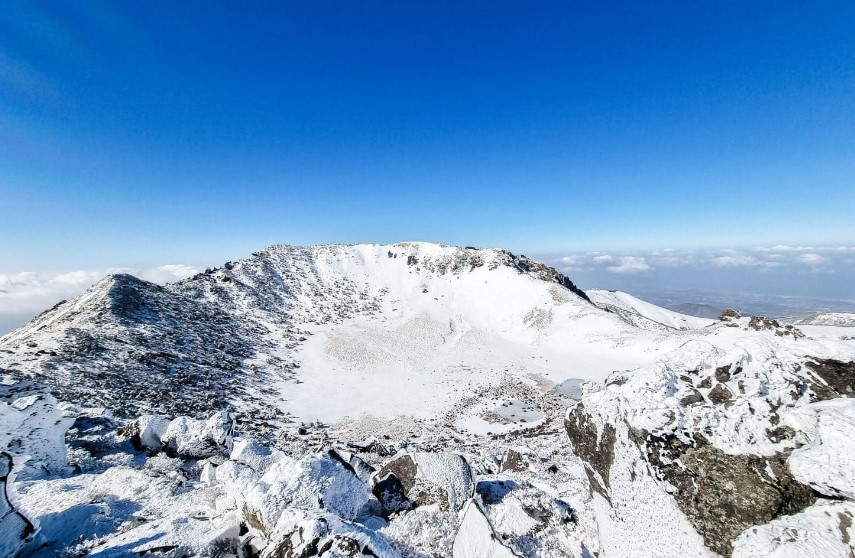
pixel 16 531
pixel 183 436
pixel 419 479
pixel 476 538
pixel 667 437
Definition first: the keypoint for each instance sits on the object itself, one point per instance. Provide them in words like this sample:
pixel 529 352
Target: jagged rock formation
pixel 721 453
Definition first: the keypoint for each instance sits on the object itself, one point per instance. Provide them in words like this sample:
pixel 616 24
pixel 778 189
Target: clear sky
pixel 142 133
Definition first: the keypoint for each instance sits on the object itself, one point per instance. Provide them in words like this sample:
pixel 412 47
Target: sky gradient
pixel 137 134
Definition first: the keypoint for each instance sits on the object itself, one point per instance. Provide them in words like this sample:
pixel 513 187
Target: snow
pixel 823 530
pixel 827 462
pixel 633 308
pixel 476 539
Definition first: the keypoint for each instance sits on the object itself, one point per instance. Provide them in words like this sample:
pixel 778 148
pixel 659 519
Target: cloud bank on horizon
pixel 24 295
pixel 814 259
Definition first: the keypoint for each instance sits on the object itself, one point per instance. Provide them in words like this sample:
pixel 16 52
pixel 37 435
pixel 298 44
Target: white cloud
pixel 602 259
pixel 735 260
pixel 785 248
pixel 168 273
pixel 30 293
pixel 571 260
pixel 812 259
pixel 630 264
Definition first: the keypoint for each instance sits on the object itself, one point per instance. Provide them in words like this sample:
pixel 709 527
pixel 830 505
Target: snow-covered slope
pixel 419 400
pixel 639 312
pixel 837 319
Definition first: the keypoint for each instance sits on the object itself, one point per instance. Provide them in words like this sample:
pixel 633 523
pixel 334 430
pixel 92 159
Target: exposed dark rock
pixel 721 494
pixel 722 373
pixel 391 494
pixel 729 313
pixel 838 378
pixel 513 461
pixel 845 523
pixel 693 397
pixel 595 448
pixel 720 394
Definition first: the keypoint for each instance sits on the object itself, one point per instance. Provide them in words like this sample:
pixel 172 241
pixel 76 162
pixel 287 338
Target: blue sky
pixel 134 134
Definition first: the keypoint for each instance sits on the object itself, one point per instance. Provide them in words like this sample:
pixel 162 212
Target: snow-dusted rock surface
pixel 423 478
pixel 16 531
pixel 419 400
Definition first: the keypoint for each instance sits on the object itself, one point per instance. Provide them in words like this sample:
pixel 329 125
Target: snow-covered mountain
pixel 418 400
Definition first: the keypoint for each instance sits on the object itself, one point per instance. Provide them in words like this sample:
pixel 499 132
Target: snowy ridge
pixel 638 312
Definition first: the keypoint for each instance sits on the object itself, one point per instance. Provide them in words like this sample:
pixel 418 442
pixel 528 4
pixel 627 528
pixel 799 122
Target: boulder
pixel 183 436
pixel 720 394
pixel 513 461
pixel 417 479
pixel 301 534
pixel 199 439
pixel 476 538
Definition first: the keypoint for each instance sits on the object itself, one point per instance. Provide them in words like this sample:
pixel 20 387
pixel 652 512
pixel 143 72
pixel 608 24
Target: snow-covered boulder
pixel 200 438
pixel 300 533
pixel 476 538
pixel 422 478
pixel 147 431
pixel 186 437
pixel 827 462
pixel 264 485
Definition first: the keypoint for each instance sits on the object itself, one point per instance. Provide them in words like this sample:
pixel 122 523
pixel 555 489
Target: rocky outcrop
pixel 717 438
pixel 722 494
pixel 837 378
pixel 183 436
pixel 595 448
pixel 545 273
pixel 417 479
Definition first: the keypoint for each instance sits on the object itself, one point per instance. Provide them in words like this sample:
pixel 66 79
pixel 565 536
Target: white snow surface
pixel 634 310
pixel 827 461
